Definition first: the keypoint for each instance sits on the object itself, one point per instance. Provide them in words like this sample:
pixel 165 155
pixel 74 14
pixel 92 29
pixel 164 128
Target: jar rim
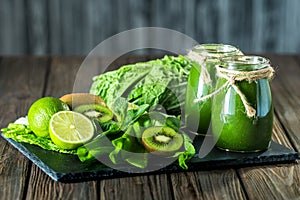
pixel 244 62
pixel 215 49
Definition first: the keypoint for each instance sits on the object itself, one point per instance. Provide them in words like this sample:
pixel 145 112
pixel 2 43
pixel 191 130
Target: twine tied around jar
pixel 232 76
pixel 201 59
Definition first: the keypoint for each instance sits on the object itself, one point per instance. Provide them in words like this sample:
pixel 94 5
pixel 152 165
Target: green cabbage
pixel 156 82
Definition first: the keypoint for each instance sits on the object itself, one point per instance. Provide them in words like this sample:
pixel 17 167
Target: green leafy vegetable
pixel 116 140
pixel 127 147
pixel 156 82
pixel 22 133
pixel 187 154
pixel 160 119
pixel 96 148
pixel 127 116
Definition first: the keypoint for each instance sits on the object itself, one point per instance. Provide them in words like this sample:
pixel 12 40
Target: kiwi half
pixel 95 111
pixel 75 99
pixel 161 140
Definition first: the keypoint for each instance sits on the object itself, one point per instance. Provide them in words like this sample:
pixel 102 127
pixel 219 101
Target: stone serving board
pixel 68 168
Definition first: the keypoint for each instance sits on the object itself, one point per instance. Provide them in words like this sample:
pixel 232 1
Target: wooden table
pixel 25 79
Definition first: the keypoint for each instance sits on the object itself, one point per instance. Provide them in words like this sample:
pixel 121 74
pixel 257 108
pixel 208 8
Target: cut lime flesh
pixel 70 130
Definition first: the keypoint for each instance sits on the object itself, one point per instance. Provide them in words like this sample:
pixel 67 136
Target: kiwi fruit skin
pixel 95 111
pixel 75 99
pixel 162 140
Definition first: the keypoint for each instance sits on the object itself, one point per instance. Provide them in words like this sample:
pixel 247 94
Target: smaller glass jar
pixel 201 82
pixel 242 110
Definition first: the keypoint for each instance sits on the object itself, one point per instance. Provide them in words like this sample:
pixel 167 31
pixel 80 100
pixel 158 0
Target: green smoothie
pixel 200 110
pixel 201 82
pixel 232 128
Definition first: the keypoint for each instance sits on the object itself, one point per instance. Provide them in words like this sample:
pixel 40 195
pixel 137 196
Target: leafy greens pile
pixel 156 82
pixel 160 84
pixel 136 94
pixel 121 139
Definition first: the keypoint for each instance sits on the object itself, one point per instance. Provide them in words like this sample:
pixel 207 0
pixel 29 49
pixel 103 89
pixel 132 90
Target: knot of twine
pixel 201 60
pixel 232 76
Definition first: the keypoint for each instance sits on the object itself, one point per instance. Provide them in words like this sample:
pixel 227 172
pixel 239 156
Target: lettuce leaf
pixel 156 82
pixel 116 140
pixel 187 154
pixel 129 149
pixel 22 133
pixel 121 142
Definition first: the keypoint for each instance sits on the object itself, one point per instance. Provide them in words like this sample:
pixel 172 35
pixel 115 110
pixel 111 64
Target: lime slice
pixel 70 130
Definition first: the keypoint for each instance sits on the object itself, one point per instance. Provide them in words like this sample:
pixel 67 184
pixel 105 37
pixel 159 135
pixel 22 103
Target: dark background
pixel 74 27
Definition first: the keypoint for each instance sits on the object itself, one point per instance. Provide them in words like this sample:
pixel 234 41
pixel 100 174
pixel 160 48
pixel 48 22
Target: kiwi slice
pixel 161 140
pixel 75 99
pixel 95 111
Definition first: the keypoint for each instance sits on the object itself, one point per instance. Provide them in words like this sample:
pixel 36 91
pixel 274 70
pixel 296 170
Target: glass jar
pixel 242 110
pixel 201 82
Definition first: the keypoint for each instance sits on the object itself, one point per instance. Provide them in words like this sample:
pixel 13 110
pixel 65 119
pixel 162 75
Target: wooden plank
pixel 141 187
pixel 19 86
pixel 272 182
pixel 75 27
pixel 13 171
pixel 18 90
pixel 60 81
pixel 205 32
pixel 214 184
pixel 232 16
pixel 71 29
pixel 189 20
pixel 276 181
pixel 37 27
pixel 102 20
pixel 290 19
pixel 266 19
pixel 13 27
pixel 18 80
pixel 54 27
pixel 42 186
pixel 62 75
pixel 286 95
pixel 279 181
pixel 279 135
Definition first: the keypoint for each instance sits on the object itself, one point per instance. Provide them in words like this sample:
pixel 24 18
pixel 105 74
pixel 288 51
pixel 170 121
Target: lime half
pixel 70 130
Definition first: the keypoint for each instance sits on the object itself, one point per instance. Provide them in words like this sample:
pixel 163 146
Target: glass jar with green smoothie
pixel 242 109
pixel 201 82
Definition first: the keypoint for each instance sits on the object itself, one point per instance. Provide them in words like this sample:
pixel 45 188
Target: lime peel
pixel 40 113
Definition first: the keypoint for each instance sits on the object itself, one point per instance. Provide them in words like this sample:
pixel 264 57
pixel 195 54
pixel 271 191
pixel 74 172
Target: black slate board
pixel 67 168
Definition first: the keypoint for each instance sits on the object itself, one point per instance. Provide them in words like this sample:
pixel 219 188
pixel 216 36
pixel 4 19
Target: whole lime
pixel 40 113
